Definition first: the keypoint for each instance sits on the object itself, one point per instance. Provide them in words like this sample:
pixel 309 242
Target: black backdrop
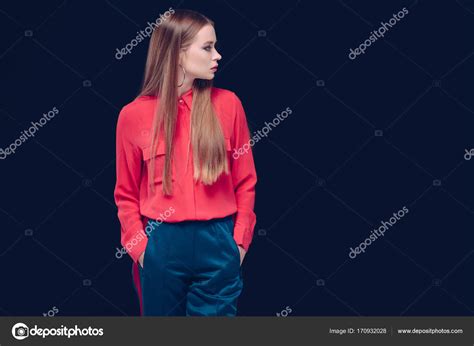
pixel 366 137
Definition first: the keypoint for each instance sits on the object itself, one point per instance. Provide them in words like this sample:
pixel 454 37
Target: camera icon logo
pixel 20 331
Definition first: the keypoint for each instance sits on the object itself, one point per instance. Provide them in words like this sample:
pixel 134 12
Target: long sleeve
pixel 127 188
pixel 244 178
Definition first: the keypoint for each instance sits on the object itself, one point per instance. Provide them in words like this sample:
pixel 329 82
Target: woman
pixel 186 178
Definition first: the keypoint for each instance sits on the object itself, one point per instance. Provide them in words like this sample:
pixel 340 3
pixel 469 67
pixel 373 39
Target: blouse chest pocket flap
pixel 159 156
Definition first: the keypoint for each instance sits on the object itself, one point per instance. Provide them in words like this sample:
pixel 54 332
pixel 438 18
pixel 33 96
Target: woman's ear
pixel 182 56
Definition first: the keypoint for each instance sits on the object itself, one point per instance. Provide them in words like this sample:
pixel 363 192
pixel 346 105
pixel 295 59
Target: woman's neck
pixel 185 87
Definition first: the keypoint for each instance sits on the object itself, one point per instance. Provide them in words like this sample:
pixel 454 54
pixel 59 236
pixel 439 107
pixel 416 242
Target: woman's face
pixel 201 56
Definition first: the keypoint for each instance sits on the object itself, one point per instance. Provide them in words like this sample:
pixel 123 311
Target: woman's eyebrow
pixel 209 42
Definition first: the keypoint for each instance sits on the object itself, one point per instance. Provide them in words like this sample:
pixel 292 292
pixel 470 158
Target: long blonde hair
pixel 160 80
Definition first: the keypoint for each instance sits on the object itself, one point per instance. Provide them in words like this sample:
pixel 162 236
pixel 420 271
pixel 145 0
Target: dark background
pixel 366 138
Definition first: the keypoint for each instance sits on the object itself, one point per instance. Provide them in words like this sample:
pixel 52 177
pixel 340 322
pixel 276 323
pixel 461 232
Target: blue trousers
pixel 191 268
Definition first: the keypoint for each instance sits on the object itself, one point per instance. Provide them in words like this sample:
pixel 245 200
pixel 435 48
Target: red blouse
pixel 231 193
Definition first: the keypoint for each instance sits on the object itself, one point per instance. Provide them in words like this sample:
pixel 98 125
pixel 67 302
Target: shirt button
pixel 180 101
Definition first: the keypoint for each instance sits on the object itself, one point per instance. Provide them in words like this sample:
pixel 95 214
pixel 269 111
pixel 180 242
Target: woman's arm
pixel 244 178
pixel 127 188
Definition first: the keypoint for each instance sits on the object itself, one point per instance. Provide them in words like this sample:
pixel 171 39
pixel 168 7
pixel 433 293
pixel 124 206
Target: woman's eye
pixel 207 48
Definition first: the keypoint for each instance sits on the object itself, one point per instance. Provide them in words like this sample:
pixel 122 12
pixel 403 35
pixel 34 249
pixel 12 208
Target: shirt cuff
pixel 135 245
pixel 243 232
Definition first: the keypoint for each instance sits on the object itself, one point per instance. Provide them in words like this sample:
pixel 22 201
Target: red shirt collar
pixel 188 97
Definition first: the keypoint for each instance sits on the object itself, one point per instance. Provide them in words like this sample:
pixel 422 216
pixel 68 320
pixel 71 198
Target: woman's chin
pixel 208 76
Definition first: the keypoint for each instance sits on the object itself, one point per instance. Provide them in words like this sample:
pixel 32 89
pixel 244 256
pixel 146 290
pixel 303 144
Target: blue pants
pixel 191 268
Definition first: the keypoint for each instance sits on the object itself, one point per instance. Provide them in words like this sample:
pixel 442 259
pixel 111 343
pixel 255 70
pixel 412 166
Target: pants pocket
pixel 150 229
pixel 229 226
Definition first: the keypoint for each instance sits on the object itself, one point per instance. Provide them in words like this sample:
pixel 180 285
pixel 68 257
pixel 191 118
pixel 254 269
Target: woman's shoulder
pixel 138 107
pixel 140 102
pixel 135 114
pixel 145 103
pixel 223 94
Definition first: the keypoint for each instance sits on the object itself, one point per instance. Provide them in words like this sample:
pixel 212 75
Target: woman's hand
pixel 242 253
pixel 140 259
